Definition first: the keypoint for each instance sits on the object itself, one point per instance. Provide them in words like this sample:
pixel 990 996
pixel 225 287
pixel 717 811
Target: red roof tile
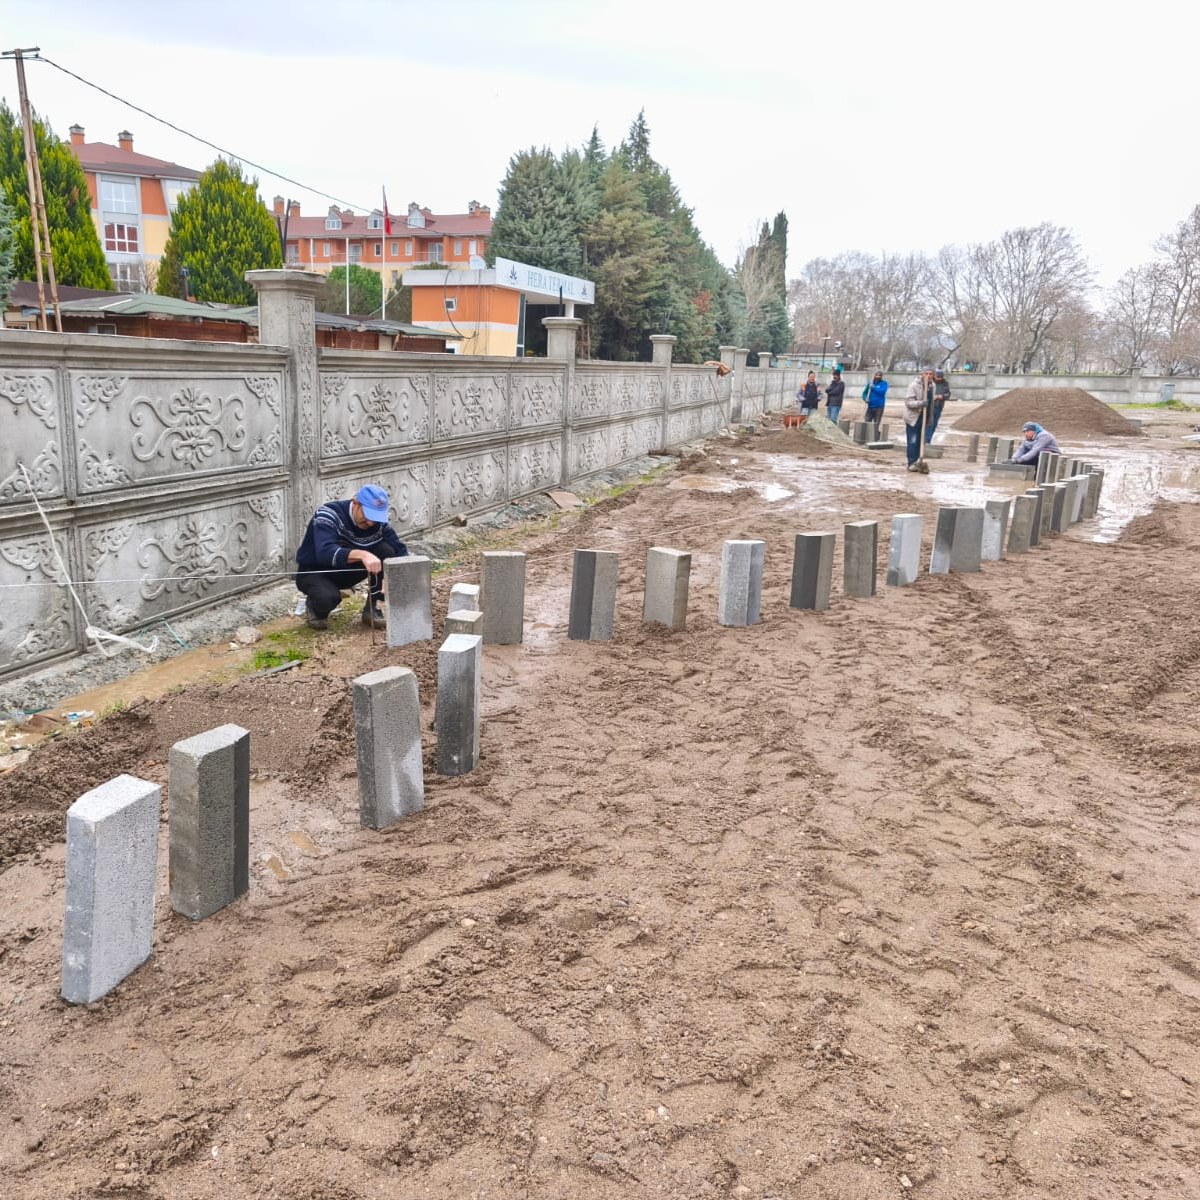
pixel 100 156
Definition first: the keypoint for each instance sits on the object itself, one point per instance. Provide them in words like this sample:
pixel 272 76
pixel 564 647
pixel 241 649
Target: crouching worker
pixel 1037 441
pixel 346 542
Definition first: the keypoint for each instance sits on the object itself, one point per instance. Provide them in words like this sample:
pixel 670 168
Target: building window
pixel 173 189
pixel 451 304
pixel 378 249
pixel 471 247
pixel 356 252
pixel 395 249
pixel 122 239
pixel 458 247
pixel 126 276
pixel 435 251
pixel 118 195
pixel 293 252
pixel 408 249
pixel 374 222
pixel 325 250
pixel 333 222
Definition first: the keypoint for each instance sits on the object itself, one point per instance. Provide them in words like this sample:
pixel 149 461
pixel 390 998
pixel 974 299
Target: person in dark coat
pixel 346 542
pixel 941 393
pixel 809 395
pixel 834 393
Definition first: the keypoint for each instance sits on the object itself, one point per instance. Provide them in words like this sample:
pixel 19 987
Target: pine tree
pixel 365 291
pixel 543 207
pixel 78 256
pixel 220 230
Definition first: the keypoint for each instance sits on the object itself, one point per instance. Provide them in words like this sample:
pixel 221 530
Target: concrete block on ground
pixel 209 819
pixel 1020 531
pixel 966 553
pixel 943 540
pixel 1078 485
pixel 1091 503
pixel 862 432
pixel 1043 466
pixel 845 425
pixel 1013 472
pixel 860 558
pixel 464 597
pixel 503 597
pixel 667 576
pixel 881 445
pixel 1005 449
pixel 812 571
pixel 593 596
pixel 935 451
pixel 112 849
pixel 884 432
pixel 387 729
pixel 904 550
pixel 464 621
pixel 1060 511
pixel 459 699
pixel 993 445
pixel 408 588
pixel 973 448
pixel 740 600
pixel 1037 495
pixel 995 529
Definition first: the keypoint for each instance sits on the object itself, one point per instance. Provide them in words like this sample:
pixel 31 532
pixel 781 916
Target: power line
pixel 196 137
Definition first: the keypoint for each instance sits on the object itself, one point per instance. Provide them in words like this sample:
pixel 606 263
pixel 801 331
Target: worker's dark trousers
pixel 324 592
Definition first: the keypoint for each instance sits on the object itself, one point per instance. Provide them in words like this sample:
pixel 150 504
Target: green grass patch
pixel 269 657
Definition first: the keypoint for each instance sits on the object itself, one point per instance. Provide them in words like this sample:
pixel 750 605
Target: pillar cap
pixel 304 282
pixel 663 337
pixel 562 322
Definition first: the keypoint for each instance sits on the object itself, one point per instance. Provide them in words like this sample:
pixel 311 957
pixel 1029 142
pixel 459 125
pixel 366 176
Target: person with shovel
pixel 918 402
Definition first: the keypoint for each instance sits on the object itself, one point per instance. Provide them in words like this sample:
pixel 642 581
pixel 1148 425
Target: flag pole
pixel 347 269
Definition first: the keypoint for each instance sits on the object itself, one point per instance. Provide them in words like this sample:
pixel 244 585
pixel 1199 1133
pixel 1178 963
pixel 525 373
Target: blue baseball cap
pixel 374 501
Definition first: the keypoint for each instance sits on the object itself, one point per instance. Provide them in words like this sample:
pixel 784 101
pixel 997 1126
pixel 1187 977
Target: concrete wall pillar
pixel 562 334
pixel 286 307
pixel 737 393
pixel 661 348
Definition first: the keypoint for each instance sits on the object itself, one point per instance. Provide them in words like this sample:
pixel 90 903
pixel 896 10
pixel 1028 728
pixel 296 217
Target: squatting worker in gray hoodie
pixel 1037 441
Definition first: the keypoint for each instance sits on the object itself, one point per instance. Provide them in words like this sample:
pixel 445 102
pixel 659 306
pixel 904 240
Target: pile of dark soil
pixel 1066 411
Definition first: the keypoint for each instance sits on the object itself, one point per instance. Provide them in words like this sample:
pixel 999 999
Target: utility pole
pixel 43 253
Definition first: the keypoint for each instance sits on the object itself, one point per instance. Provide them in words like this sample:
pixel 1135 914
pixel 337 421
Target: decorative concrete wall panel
pixel 536 400
pixel 534 466
pixel 407 489
pixel 632 439
pixel 589 452
pixel 468 405
pixel 145 428
pixel 363 413
pixel 592 393
pixel 470 482
pixel 32 435
pixel 37 618
pixel 181 558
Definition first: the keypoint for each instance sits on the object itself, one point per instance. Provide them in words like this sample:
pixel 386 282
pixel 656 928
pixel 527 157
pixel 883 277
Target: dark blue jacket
pixel 332 534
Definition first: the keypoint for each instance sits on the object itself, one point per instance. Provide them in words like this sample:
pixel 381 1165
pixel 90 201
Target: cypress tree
pixel 220 230
pixel 78 256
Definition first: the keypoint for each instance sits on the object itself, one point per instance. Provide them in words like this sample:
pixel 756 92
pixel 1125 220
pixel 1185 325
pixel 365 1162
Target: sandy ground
pixel 898 899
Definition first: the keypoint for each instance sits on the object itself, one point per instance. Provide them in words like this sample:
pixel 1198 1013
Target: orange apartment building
pixel 133 197
pixel 340 236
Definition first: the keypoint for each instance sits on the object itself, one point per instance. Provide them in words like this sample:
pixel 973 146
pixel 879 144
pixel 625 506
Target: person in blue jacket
pixel 1037 441
pixel 875 394
pixel 346 542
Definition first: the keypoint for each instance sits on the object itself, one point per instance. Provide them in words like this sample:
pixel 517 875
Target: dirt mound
pixel 1066 411
pixel 818 437
pixel 1156 528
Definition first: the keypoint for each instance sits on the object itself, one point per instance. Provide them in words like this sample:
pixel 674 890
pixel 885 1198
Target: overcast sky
pixel 875 126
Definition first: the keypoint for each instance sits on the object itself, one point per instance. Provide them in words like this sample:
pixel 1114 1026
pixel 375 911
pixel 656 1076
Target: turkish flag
pixel 387 220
